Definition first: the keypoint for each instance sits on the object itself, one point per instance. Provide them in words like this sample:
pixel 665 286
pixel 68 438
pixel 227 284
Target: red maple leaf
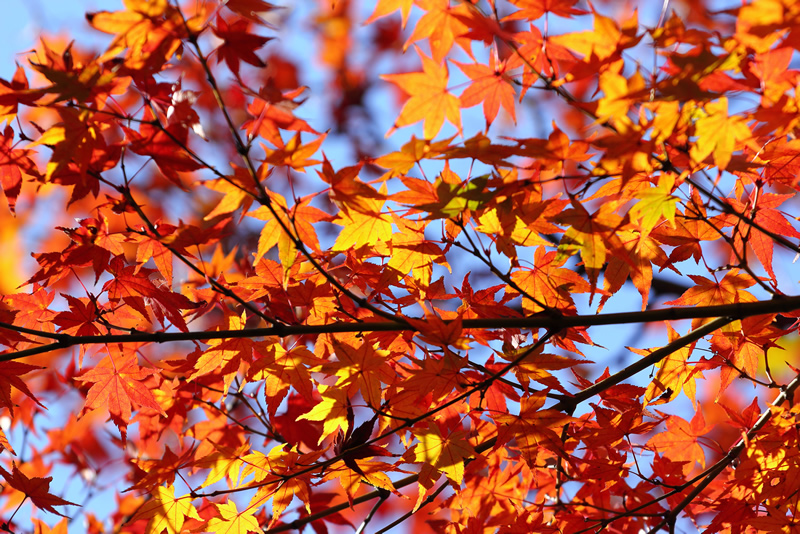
pixel 36 489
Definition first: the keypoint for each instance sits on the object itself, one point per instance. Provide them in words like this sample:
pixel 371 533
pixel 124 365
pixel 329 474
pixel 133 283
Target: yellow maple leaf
pixel 332 410
pixel 446 454
pixel 675 373
pixel 225 462
pixel 226 355
pixel 232 521
pixel 412 252
pixel 361 368
pixel 165 512
pixel 602 41
pixel 718 134
pixel 362 229
pixel 654 203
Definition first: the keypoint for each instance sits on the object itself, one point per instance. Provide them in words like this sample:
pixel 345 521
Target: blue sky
pixel 22 22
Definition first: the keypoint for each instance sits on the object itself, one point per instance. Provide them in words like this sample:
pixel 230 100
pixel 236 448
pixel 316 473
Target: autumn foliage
pixel 435 265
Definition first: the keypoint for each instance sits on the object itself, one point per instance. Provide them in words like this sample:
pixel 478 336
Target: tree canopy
pixel 435 265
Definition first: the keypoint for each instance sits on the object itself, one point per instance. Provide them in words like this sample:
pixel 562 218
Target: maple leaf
pixel 281 369
pixel 160 470
pixel 743 349
pixel 118 385
pixel 655 203
pixel 675 373
pixel 150 247
pixel 362 368
pixel 224 462
pixel 636 262
pixel 36 489
pixel 164 145
pixel 231 521
pixel 225 355
pixel 718 134
pixel 590 234
pixel 549 283
pixel 273 110
pixel 412 252
pixel 533 429
pixel 411 153
pixel 148 40
pixel 166 512
pixel 84 136
pixel 10 377
pixel 386 7
pixel 133 285
pixel 284 461
pixel 454 198
pixel 730 290
pixel 771 219
pixel 680 442
pixel 15 92
pixel 238 44
pixel 442 24
pixel 331 410
pixel 295 154
pixel 298 219
pixel 4 444
pixel 13 163
pixel 604 40
pixel 491 86
pixel 430 100
pixel 235 197
pixel 347 190
pixel 80 319
pixel 445 453
pixel 362 229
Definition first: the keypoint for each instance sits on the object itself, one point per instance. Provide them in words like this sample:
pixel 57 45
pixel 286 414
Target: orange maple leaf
pixel 680 442
pixel 118 385
pixel 226 355
pixel 534 429
pixel 430 100
pixel 387 7
pixel 490 86
pixel 13 163
pixel 730 290
pixel 549 283
pixel 362 368
pixel 4 444
pixel 442 24
pixel 295 154
pixel 533 9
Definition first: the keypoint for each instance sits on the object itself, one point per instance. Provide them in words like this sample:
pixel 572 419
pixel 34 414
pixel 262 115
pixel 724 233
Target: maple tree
pixel 248 310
